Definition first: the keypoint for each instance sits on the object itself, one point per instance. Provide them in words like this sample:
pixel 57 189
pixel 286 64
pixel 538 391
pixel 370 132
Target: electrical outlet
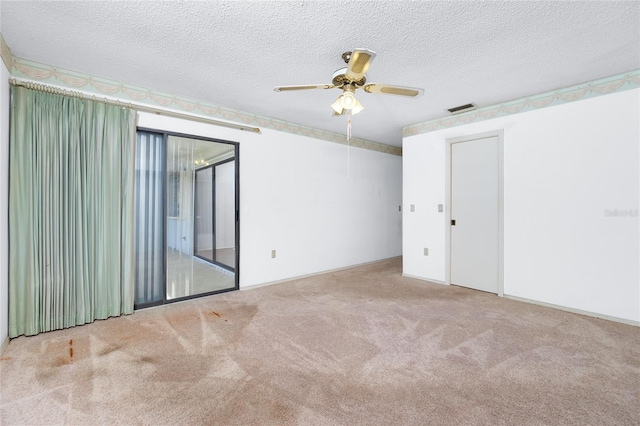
pixel 426 251
pixel 399 208
pixel 273 254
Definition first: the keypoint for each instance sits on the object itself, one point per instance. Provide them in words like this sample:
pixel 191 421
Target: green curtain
pixel 70 211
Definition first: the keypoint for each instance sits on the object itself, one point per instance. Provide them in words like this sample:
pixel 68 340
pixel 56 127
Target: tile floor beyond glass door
pixel 188 275
pixel 225 256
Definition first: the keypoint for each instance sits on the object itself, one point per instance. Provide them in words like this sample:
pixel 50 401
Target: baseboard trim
pixel 415 277
pixel 574 311
pixel 328 271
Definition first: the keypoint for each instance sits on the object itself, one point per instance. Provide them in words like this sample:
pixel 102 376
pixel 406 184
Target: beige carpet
pixel 363 346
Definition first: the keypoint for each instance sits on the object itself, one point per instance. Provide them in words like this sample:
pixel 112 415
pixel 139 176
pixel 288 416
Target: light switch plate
pixel 440 206
pixel 426 251
pixel 413 207
pixel 273 254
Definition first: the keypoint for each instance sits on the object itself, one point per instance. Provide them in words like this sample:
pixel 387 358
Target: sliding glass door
pixel 178 232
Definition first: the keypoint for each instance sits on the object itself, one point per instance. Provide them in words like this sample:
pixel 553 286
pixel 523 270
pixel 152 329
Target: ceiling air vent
pixel 462 108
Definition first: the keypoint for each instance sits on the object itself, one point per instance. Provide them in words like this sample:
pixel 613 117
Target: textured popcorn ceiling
pixel 232 53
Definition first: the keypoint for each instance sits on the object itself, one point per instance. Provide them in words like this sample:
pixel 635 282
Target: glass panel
pixel 179 200
pixel 148 241
pixel 188 273
pixel 204 214
pixel 225 222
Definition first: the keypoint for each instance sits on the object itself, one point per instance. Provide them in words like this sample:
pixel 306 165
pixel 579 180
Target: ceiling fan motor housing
pixel 340 79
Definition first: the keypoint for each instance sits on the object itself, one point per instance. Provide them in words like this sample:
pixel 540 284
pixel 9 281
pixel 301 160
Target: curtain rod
pixel 137 107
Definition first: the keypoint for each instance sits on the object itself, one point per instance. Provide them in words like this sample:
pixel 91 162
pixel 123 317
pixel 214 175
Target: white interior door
pixel 475 214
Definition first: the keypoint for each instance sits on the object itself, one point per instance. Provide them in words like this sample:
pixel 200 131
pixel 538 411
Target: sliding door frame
pixel 213 214
pixel 213 217
pixel 236 147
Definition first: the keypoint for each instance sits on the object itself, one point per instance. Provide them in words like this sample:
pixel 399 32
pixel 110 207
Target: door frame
pixel 469 138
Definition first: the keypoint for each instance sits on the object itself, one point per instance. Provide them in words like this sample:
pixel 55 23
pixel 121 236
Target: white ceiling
pixel 232 53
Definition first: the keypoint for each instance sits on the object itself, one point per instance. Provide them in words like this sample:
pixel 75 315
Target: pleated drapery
pixel 71 206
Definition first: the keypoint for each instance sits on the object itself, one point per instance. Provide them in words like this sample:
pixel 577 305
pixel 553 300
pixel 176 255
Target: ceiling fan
pixel 351 78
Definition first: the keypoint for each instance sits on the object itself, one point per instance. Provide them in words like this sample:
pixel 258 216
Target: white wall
pixel 296 198
pixel 564 167
pixel 4 202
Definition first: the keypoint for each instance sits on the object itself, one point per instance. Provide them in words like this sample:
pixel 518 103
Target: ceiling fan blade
pixel 359 63
pixel 388 89
pixel 303 87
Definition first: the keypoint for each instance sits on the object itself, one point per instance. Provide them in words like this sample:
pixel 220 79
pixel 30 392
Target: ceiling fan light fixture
pixel 347 100
pixel 356 109
pixel 337 105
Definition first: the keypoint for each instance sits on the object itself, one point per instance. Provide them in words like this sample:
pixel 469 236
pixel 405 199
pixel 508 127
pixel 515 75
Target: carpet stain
pixel 60 353
pixel 146 359
pixel 60 361
pixel 228 320
pixel 5 358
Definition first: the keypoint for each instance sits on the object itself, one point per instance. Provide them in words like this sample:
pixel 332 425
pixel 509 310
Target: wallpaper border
pixel 604 86
pixel 5 53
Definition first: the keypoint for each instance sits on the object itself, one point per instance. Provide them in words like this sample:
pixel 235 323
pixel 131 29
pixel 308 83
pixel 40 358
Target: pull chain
pixel 348 143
